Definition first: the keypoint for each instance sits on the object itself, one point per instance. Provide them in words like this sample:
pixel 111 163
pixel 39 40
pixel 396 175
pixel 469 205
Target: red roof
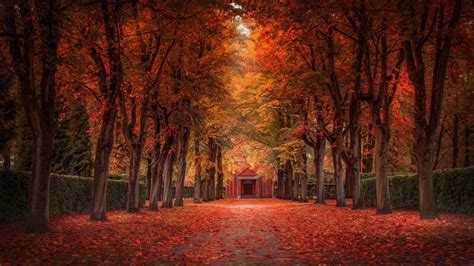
pixel 247 172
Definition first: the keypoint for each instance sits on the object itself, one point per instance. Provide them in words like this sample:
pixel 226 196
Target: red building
pixel 248 184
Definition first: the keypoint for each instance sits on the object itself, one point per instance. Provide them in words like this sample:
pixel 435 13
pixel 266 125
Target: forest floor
pixel 253 231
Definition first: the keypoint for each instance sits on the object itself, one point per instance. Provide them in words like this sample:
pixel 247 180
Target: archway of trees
pixel 169 93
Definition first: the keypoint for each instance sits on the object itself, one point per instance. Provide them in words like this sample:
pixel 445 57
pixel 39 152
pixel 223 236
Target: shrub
pixel 367 175
pixel 68 194
pixel 454 190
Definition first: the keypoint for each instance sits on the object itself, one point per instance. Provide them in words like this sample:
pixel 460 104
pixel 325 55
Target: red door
pixel 247 188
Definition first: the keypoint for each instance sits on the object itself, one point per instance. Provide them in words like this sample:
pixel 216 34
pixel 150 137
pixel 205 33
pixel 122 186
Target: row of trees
pixel 340 73
pixel 155 70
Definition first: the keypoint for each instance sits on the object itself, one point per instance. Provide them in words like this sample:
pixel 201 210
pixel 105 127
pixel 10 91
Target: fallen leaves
pixel 246 231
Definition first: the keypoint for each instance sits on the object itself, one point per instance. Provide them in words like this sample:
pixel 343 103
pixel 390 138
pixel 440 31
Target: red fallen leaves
pixel 246 231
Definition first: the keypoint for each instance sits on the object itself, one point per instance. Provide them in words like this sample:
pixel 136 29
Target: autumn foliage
pixel 314 96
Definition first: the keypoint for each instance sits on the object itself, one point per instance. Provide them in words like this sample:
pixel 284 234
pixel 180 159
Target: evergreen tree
pixel 72 145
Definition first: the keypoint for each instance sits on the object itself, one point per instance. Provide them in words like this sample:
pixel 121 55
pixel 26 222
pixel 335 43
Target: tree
pixel 420 23
pixel 197 169
pixel 72 152
pixel 109 79
pixel 38 110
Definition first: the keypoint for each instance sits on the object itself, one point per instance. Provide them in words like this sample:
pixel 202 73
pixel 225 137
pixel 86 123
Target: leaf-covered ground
pixel 246 231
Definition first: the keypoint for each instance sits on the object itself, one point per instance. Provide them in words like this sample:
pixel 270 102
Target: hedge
pixel 454 190
pixel 68 194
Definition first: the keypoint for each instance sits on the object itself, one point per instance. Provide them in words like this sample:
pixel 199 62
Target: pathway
pixel 251 231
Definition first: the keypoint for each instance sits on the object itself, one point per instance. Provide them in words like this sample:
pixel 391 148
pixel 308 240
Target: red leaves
pixel 246 231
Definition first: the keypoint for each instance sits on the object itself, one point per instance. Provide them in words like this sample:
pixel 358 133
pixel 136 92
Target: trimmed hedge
pixel 68 194
pixel 454 190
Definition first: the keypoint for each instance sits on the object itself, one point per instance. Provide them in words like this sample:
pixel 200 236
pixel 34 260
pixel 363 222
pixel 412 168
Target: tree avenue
pixel 180 97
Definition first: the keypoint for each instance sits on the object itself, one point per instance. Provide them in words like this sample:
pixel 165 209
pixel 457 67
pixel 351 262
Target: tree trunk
pixel 425 181
pixel 280 182
pixel 205 187
pixel 368 156
pixel 197 174
pixel 381 177
pixel 319 151
pixel 183 150
pixel 168 180
pixel 336 160
pixel 438 144
pixel 220 174
pixel 455 140
pixel 296 186
pixel 158 170
pixel 39 205
pixel 148 177
pixel 6 154
pixel 354 171
pixel 288 179
pixel 211 189
pixel 134 176
pixel 304 180
pixel 467 146
pixel 102 161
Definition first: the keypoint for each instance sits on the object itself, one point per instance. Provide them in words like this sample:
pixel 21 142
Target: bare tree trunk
pixel 318 161
pixel 197 174
pixel 183 150
pixel 340 195
pixel 168 180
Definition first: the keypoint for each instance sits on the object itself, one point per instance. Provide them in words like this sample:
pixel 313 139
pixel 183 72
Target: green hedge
pixel 454 190
pixel 68 194
pixel 125 177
